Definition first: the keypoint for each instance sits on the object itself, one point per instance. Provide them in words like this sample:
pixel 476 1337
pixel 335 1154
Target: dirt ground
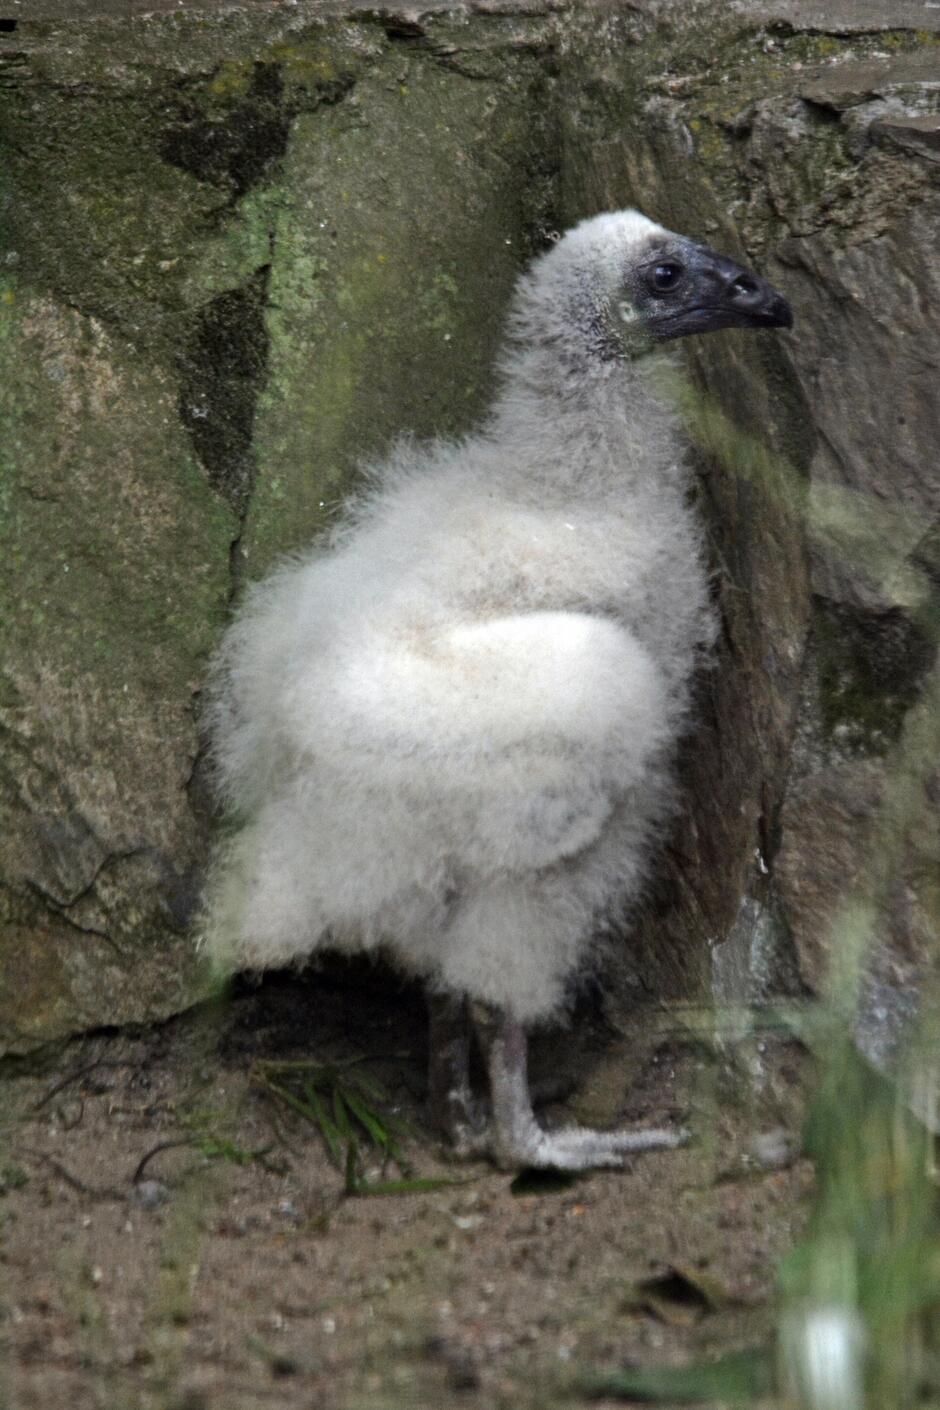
pixel 232 1272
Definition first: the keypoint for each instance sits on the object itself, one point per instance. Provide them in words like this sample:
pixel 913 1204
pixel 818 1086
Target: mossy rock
pixel 247 249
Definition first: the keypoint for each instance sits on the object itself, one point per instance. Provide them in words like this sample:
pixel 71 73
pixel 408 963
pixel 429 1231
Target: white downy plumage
pixel 448 731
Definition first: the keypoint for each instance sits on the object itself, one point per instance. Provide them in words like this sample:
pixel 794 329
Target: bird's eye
pixel 666 275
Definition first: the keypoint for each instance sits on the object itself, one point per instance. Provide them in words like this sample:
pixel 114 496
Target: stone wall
pixel 808 138
pixel 247 245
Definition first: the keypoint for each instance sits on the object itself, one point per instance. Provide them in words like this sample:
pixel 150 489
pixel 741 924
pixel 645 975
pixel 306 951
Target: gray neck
pixel 604 430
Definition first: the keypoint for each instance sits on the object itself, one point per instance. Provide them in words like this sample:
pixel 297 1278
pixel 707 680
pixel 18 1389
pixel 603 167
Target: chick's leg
pixel 518 1139
pixel 453 1109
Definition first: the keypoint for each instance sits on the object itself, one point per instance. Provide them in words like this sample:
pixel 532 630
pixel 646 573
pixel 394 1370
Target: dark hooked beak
pixel 720 293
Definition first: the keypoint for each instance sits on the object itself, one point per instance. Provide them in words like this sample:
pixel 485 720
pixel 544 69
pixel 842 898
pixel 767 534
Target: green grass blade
pixel 331 1134
pixel 367 1084
pixel 353 1183
pixel 737 1379
pixel 285 1095
pixel 416 1186
pixel 341 1115
pixel 367 1119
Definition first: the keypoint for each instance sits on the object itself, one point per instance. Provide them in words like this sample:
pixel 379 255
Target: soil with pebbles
pixel 169 1240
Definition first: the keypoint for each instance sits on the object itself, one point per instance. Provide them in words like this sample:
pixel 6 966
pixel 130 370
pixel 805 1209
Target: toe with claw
pixel 518 1139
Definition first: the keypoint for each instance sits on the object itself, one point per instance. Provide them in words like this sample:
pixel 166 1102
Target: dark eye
pixel 666 275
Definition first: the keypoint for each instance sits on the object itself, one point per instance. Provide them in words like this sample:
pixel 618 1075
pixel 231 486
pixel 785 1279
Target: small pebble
pixel 468 1221
pixel 150 1194
pixel 773 1150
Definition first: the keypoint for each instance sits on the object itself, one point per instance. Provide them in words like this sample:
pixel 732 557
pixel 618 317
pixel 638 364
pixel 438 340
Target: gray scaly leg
pixel 518 1139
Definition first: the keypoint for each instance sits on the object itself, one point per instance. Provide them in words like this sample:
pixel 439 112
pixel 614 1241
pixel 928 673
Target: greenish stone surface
pixel 407 211
pixel 111 597
pixel 243 251
pixel 246 247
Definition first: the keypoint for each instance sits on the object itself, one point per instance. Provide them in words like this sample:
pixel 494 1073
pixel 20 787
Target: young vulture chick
pixel 449 732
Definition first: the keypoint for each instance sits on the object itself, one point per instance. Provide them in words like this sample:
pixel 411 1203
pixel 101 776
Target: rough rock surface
pixel 244 249
pixel 806 143
pixel 248 245
pixel 826 165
